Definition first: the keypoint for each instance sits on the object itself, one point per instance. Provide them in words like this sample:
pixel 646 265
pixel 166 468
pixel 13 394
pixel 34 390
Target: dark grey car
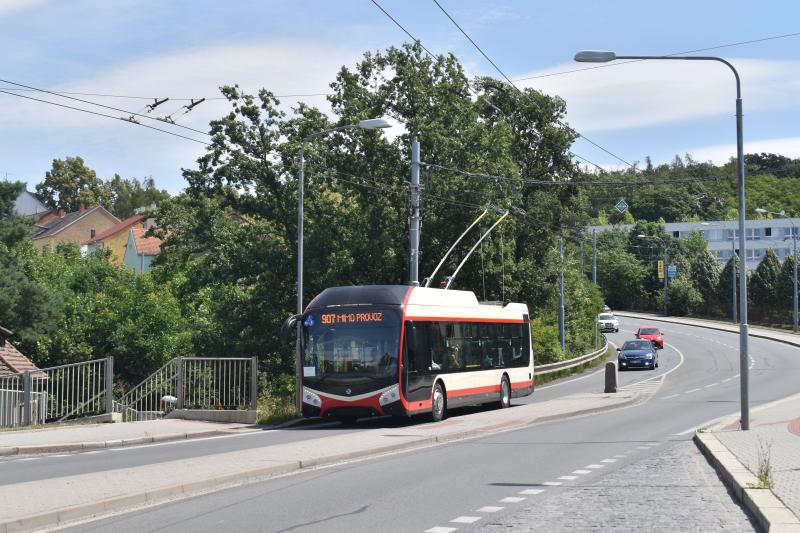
pixel 637 354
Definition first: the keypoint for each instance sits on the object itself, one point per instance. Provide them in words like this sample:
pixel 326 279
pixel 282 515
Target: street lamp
pixel 369 124
pixel 733 272
pixel 595 56
pixel 782 214
pixel 666 267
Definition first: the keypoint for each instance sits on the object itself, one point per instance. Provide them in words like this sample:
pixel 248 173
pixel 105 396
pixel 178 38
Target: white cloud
pixel 10 6
pixel 721 153
pixel 646 93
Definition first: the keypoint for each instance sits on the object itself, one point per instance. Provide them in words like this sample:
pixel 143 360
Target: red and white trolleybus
pixel 403 350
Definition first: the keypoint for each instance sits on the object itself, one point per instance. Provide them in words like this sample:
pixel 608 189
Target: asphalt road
pixel 697 382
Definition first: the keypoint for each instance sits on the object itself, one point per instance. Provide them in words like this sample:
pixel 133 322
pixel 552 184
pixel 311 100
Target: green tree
pixel 70 183
pixel 621 277
pixel 13 228
pixel 762 290
pixel 684 298
pixel 127 195
pixel 705 274
pixel 725 287
pixel 784 289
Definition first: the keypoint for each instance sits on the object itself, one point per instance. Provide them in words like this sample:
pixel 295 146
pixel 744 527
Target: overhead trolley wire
pixel 523 93
pixel 107 116
pixel 130 113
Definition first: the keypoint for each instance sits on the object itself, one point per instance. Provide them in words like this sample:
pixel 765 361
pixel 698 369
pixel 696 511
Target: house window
pixel 676 234
pixel 767 232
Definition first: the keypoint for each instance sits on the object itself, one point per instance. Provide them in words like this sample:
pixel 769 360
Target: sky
pixel 186 50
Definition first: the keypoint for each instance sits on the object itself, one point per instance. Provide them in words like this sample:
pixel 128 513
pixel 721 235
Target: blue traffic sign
pixel 672 271
pixel 621 206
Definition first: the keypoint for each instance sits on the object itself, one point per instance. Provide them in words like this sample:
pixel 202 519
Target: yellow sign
pixel 660 269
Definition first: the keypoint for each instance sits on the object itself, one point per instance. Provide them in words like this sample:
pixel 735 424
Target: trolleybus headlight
pixel 390 395
pixel 311 398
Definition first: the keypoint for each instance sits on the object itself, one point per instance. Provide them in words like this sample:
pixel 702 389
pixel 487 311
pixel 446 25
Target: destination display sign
pixel 345 317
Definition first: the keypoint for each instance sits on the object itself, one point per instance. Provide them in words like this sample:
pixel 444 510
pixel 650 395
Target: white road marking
pixel 670 396
pixel 439 529
pixel 594 467
pixel 93 453
pixel 466 519
pixel 736 375
pixel 531 492
pixel 608 461
pixel 702 425
pixel 711 385
pixel 512 499
pixel 691 391
pixel 28 459
pixel 582 472
pixel 726 380
pixel 623 456
pixel 568 478
pixel 489 509
pixel 643 447
pixel 60 455
pixel 552 483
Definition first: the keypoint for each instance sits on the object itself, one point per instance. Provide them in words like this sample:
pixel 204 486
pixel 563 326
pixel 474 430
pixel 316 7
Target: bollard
pixel 611 377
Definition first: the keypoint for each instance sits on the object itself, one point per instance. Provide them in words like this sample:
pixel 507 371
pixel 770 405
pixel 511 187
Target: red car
pixel 653 334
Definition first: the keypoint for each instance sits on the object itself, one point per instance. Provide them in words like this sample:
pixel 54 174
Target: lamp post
pixel 782 214
pixel 591 56
pixel 369 124
pixel 666 266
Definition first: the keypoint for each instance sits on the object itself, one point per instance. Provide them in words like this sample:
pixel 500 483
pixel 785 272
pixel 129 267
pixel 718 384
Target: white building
pixel 723 236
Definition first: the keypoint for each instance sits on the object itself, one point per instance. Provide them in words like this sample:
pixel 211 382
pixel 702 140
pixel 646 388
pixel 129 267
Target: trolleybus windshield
pixel 351 343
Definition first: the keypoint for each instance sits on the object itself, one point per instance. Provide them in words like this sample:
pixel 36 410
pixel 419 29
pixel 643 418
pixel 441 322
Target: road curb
pixel 760 334
pixel 769 511
pixel 179 491
pixel 96 445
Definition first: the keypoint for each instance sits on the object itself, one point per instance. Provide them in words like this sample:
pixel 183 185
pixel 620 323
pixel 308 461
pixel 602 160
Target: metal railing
pixel 56 394
pixel 219 383
pixel 569 363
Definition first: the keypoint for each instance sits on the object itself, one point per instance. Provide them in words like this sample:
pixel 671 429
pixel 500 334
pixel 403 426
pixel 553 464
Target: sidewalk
pixel 54 501
pixel 95 436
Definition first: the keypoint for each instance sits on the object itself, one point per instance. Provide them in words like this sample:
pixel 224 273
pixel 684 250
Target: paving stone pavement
pixel 775 434
pixel 674 490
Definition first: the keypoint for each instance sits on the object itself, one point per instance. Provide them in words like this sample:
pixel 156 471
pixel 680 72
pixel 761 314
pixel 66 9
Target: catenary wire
pixel 620 63
pixel 104 106
pixel 484 97
pixel 107 116
pixel 523 93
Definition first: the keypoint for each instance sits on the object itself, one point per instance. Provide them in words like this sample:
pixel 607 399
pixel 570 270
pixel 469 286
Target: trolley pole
pixel 413 225
pixel 594 256
pixel 733 281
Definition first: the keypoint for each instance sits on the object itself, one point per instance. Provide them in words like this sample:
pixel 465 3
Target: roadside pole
pixel 413 225
pixel 561 298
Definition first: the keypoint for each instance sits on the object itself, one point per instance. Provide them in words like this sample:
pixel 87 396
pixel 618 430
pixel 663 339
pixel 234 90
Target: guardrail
pixel 569 363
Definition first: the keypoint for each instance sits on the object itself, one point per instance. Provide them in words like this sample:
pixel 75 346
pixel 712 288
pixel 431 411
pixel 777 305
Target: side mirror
pixel 411 336
pixel 287 328
pixel 619 349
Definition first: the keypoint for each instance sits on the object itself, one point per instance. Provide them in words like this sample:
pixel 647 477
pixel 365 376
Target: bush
pixel 684 299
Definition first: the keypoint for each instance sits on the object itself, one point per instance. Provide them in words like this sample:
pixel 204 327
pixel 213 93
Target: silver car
pixel 607 322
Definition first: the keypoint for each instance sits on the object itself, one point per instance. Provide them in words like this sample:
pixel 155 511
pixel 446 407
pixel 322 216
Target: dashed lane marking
pixel 711 385
pixel 582 472
pixel 439 529
pixel 552 483
pixel 531 492
pixel 465 519
pixel 594 466
pixel 670 396
pixel 691 391
pixel 568 478
pixel 608 461
pixel 489 509
pixel 726 380
pixel 512 499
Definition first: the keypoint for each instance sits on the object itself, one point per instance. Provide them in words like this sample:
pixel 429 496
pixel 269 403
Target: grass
pixel 552 376
pixel 274 409
pixel 764 473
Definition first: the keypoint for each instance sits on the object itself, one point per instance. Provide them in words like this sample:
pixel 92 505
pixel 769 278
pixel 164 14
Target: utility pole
pixel 666 276
pixel 594 256
pixel 794 283
pixel 413 224
pixel 561 297
pixel 733 280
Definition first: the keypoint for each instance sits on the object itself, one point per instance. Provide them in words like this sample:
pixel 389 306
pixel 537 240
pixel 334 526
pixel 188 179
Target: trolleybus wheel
pixel 439 403
pixel 505 393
